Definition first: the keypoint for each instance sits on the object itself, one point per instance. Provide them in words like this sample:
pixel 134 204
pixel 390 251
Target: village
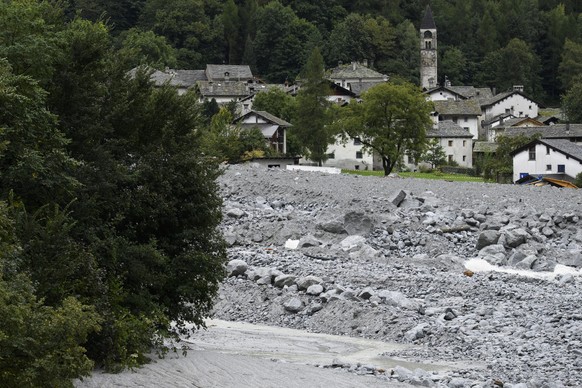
pixel 467 120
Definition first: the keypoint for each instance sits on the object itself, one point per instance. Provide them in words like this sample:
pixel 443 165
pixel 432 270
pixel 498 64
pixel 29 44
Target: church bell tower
pixel 428 51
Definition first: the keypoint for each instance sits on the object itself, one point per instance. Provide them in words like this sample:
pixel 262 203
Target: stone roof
pixel 428 21
pixel 354 70
pixel 235 72
pixel 502 96
pixel 224 89
pixel 459 108
pixel 360 87
pixel 564 146
pixel 267 116
pixel 178 78
pixel 448 128
pixel 557 131
pixel 485 147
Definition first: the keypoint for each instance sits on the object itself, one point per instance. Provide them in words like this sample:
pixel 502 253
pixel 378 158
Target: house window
pixel 466 119
pixel 520 114
pixel 548 167
pixel 331 156
pixel 464 143
pixel 454 119
pixel 359 155
pixel 547 150
pixel 450 143
pixel 466 128
pixel 410 159
pixel 357 141
pixel 357 167
pixel 507 111
pixel 562 168
pixel 464 158
pixel 450 158
pixel 532 153
pixel 530 107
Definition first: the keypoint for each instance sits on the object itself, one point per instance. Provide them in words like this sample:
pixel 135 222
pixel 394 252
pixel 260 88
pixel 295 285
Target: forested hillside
pixel 496 43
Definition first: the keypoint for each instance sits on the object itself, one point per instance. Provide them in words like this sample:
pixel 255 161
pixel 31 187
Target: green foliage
pixel 572 102
pixel 276 102
pixel 391 120
pixel 40 345
pixel 434 153
pixel 147 48
pixel 311 126
pixel 494 168
pixel 571 64
pixel 578 180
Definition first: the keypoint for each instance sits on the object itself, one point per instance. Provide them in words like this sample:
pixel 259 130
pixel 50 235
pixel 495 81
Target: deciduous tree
pixel 391 120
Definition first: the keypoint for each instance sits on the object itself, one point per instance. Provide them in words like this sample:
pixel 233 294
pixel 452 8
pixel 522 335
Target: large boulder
pixel 494 254
pixel 236 267
pixel 293 305
pixel 516 237
pixel 306 281
pixel 284 280
pixel 357 223
pixel 335 226
pixel 486 238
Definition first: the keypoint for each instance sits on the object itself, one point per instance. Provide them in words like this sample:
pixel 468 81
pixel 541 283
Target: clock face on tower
pixel 427 58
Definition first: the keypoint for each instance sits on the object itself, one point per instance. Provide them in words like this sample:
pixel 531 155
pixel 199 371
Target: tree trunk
pixel 387 166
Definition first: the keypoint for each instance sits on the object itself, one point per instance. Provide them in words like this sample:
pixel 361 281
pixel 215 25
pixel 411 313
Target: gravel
pixel 383 258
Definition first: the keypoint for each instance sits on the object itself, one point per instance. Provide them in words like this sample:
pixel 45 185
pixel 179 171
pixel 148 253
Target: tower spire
pixel 428 21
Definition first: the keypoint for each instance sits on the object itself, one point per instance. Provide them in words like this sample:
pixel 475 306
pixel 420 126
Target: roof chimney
pixel 354 66
pixel 365 62
pixel 518 88
pixel 447 82
pixel 226 76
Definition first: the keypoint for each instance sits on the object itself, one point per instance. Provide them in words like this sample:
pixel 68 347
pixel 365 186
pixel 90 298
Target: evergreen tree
pixel 311 126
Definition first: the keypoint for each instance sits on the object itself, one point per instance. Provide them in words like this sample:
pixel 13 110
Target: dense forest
pixel 495 43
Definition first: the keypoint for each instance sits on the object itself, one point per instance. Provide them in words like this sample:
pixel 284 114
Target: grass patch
pixel 420 175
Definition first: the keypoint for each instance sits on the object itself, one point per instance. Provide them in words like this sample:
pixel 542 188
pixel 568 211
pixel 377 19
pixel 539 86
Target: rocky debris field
pixel 384 258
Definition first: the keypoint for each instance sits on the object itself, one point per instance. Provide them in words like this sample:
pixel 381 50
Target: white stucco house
pixel 514 102
pixel 465 113
pixel 349 155
pixel 555 158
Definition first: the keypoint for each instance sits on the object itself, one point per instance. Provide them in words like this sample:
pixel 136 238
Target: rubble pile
pixel 384 258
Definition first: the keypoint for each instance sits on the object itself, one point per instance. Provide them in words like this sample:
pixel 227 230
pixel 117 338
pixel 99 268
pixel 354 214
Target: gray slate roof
pixel 448 128
pixel 354 70
pixel 502 96
pixel 267 116
pixel 557 131
pixel 360 87
pixel 459 108
pixel 178 78
pixel 564 146
pixel 427 21
pixel 236 72
pixel 223 89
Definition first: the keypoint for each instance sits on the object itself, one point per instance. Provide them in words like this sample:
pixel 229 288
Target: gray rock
pixel 494 254
pixel 308 241
pixel 547 231
pixel 516 257
pixel 366 293
pixel 516 237
pixel 293 305
pixel 398 299
pixel 486 238
pixel 306 281
pixel 235 212
pixel 416 332
pixel 334 226
pixel 236 267
pixel 397 197
pixel 527 263
pixel 314 289
pixel 284 280
pixel 357 223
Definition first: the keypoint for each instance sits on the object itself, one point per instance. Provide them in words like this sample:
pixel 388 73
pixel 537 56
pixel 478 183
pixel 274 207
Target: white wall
pixel 522 164
pixel 442 95
pixel 517 105
pixel 345 156
pixel 471 123
pixel 460 148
